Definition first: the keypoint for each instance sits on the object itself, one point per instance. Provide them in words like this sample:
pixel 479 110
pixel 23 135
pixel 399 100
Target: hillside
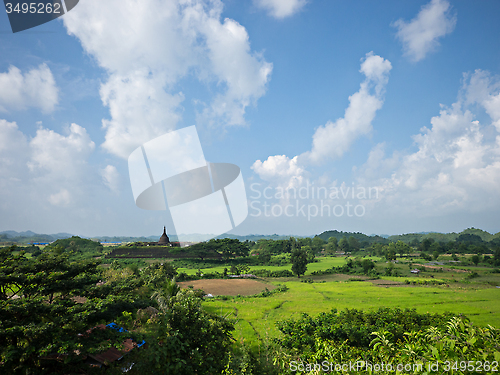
pixel 359 236
pixel 444 237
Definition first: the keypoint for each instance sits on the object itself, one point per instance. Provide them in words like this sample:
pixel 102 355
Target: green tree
pixel 199 250
pixel 299 261
pixel 264 256
pixel 476 259
pixel 156 275
pixel 40 315
pixel 229 248
pixel 353 244
pixel 187 340
pixel 426 244
pixel 317 244
pixel 344 245
pixel 331 246
pixel 391 251
pixel 403 248
pixel 310 253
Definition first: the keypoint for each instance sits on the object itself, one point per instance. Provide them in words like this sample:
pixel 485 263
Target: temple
pixel 164 240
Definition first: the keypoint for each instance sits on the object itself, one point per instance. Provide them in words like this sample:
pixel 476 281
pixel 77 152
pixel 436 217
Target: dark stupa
pixel 164 240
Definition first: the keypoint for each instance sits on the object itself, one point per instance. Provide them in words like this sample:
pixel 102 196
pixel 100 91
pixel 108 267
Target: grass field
pixel 322 264
pixel 478 297
pixel 256 317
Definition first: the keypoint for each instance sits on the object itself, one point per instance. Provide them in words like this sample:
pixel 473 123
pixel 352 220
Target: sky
pixel 363 116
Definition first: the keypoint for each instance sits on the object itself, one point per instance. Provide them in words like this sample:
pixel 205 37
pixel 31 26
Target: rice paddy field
pixel 255 316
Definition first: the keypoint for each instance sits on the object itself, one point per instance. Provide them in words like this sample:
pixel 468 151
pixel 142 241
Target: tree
pixel 310 253
pixel 403 248
pixel 228 247
pixel 475 259
pixel 264 256
pixel 331 246
pixel 391 251
pixel 299 261
pixel 40 316
pixel 156 275
pixel 367 265
pixel 426 244
pixel 317 244
pixel 188 339
pixel 344 245
pixel 353 243
pixel 200 250
pixel 496 257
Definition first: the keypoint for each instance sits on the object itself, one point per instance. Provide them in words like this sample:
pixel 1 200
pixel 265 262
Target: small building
pixel 415 271
pixel 164 240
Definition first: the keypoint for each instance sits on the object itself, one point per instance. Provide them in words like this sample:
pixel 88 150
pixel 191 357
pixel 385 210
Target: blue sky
pixel 397 98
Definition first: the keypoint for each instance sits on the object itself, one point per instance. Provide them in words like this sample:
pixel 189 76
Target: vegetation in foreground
pixel 50 296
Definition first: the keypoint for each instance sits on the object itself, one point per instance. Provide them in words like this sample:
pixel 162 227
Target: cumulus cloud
pixel 420 35
pixel 50 170
pixel 62 198
pixel 457 162
pixel 280 168
pixel 281 8
pixel 110 177
pixel 56 155
pixel 148 47
pixel 13 150
pixel 332 140
pixel 335 138
pixel 35 88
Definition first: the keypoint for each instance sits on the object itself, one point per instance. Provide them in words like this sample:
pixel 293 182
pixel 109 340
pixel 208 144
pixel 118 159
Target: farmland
pixel 278 299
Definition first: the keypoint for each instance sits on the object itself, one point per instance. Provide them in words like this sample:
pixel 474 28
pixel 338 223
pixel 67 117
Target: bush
pixel 353 326
pixel 268 273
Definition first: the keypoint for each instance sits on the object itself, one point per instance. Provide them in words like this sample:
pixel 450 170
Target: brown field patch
pixel 228 287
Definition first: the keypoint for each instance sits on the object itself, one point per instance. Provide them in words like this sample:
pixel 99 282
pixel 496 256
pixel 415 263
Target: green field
pixel 256 317
pixel 477 298
pixel 322 264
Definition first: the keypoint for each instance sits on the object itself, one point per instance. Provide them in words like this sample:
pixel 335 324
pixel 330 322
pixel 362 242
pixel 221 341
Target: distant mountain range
pixel 10 236
pixel 29 237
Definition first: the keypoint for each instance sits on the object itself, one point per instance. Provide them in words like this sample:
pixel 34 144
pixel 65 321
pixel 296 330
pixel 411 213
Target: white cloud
pixel 13 151
pixel 281 8
pixel 62 198
pixel 57 156
pixel 481 88
pixel 335 138
pixel 110 177
pixel 36 88
pixel 280 170
pixel 332 140
pixel 420 35
pixel 148 46
pixel 456 166
pixel 140 110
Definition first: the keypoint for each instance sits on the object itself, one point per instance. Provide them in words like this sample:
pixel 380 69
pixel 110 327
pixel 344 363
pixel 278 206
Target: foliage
pixel 45 302
pixel 157 274
pixel 358 236
pixel 454 348
pixel 353 326
pixel 77 246
pixel 352 267
pixel 299 261
pixel 268 273
pixel 187 339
